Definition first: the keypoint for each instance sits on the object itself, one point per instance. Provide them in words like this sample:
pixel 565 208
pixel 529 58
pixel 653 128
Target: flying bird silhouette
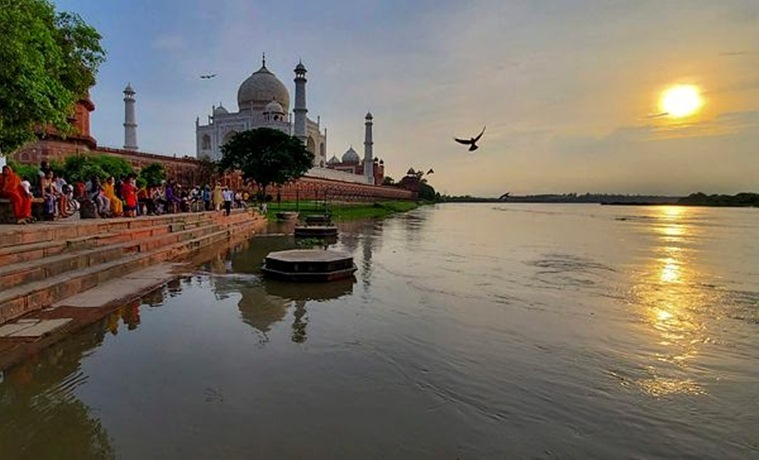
pixel 472 142
pixel 504 196
pixel 208 76
pixel 430 171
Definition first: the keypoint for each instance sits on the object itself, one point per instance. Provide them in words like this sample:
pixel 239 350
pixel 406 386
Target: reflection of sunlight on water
pixel 669 271
pixel 671 298
pixel 660 386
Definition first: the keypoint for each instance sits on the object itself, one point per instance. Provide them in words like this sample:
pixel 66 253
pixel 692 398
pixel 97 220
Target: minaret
pixel 368 153
pixel 299 109
pixel 130 121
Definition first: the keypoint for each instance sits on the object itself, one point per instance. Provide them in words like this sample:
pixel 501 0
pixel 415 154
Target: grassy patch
pixel 343 210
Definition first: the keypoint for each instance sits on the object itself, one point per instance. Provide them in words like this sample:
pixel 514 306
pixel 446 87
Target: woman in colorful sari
pixel 11 188
pixel 109 190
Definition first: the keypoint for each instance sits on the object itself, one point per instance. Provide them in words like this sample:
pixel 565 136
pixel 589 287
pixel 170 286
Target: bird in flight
pixel 430 171
pixel 208 76
pixel 472 142
pixel 504 196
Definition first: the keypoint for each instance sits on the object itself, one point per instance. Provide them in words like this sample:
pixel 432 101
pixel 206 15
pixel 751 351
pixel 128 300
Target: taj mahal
pixel 263 101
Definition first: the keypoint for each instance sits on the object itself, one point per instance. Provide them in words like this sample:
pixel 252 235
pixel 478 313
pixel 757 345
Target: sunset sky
pixel 569 90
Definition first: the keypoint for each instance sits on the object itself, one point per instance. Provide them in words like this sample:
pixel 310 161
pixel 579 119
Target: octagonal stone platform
pixel 312 265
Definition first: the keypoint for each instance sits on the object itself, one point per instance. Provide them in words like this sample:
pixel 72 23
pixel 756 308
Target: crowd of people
pixel 115 197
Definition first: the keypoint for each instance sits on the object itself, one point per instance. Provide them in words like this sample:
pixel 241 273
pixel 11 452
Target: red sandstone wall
pixel 183 170
pixel 187 172
pixel 50 150
pixel 310 188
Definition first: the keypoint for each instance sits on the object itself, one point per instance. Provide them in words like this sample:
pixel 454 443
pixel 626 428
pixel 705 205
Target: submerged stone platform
pixel 312 265
pixel 315 231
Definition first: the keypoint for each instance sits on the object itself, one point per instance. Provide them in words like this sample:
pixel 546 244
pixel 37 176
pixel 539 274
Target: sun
pixel 681 101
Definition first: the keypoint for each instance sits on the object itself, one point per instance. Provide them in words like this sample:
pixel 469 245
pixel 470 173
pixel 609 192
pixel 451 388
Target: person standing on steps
pixel 227 196
pixel 207 198
pixel 217 198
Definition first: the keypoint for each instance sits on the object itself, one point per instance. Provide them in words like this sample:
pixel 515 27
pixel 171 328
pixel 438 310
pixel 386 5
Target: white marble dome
pixel 350 156
pixel 260 89
pixel 220 110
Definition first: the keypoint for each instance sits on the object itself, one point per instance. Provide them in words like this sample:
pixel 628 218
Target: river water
pixel 470 331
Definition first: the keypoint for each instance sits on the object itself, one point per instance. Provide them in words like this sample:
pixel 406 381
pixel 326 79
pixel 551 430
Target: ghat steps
pixel 42 264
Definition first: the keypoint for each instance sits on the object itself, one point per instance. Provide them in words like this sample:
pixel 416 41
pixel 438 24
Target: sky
pixel 569 90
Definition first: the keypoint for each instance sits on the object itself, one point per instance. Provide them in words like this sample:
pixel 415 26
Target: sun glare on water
pixel 681 101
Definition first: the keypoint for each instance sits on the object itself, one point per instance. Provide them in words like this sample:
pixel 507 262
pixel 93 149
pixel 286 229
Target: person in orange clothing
pixel 11 188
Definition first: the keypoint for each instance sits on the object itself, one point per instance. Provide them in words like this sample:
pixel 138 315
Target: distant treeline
pixel 565 198
pixel 694 199
pixel 701 199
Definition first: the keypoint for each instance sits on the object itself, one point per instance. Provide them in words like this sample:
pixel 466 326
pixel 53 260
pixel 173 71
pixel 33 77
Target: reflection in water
pixel 366 235
pixel 265 302
pixel 670 292
pixel 300 321
pixel 129 314
pixel 40 415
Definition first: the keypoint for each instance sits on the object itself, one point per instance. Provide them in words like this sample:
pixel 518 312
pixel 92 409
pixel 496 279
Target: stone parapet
pixel 314 188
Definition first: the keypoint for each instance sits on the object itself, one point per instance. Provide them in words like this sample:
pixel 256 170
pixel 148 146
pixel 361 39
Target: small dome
pixel 220 110
pixel 300 67
pixel 274 107
pixel 334 160
pixel 350 156
pixel 369 116
pixel 410 172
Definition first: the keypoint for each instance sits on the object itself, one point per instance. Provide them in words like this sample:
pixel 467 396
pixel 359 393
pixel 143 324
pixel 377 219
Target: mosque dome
pixel 260 89
pixel 350 156
pixel 274 107
pixel 333 161
pixel 220 110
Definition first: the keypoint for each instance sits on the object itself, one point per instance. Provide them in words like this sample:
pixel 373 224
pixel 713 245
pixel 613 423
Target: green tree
pixel 426 191
pixel 83 167
pixel 388 181
pixel 27 172
pixel 153 174
pixel 48 61
pixel 266 156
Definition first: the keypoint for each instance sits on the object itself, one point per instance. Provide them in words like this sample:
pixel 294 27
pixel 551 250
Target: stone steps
pixel 94 236
pixel 35 270
pixel 70 230
pixel 37 283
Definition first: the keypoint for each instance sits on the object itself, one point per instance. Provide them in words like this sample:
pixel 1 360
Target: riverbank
pixel 342 211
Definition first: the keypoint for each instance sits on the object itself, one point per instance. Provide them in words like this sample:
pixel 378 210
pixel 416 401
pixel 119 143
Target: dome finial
pixel 263 60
